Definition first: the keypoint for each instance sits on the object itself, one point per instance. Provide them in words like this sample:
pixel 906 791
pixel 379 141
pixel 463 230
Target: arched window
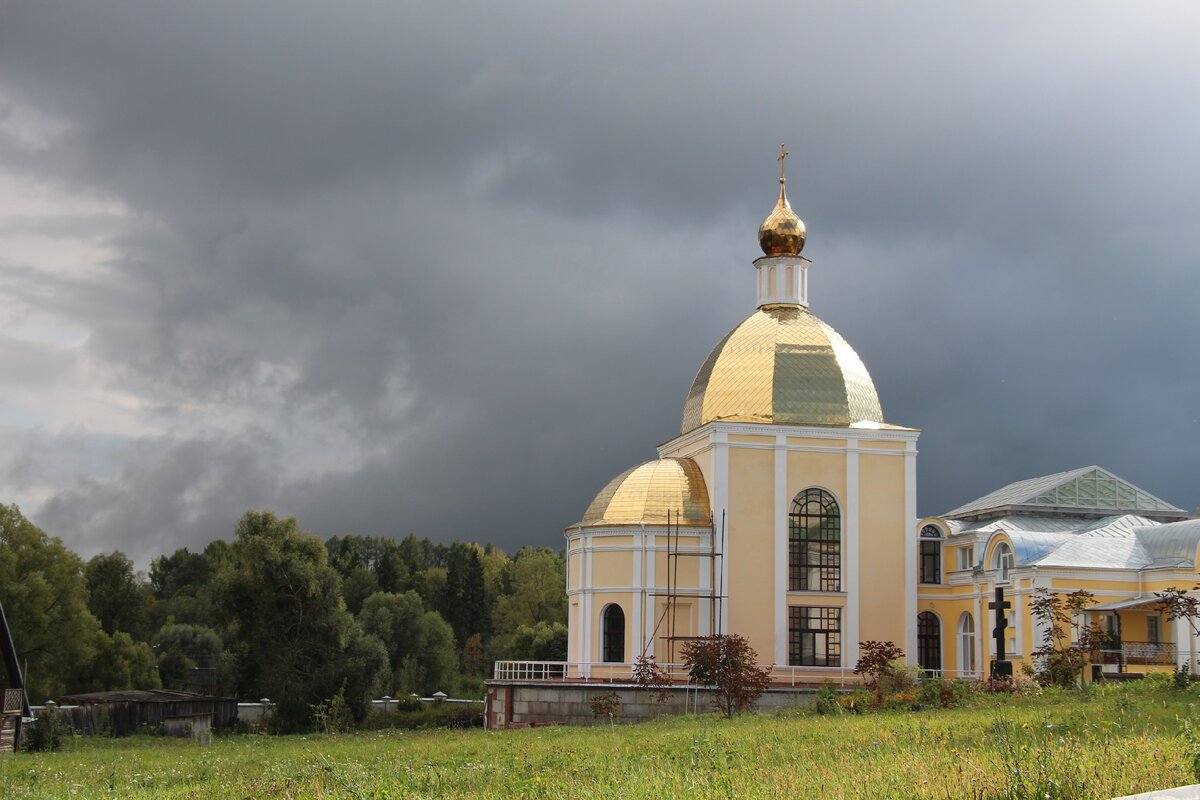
pixel 929 642
pixel 1002 561
pixel 931 554
pixel 815 543
pixel 966 645
pixel 612 633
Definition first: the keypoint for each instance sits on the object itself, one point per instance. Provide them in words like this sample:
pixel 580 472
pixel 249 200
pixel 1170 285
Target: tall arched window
pixel 966 645
pixel 929 642
pixel 931 554
pixel 815 543
pixel 1002 561
pixel 612 634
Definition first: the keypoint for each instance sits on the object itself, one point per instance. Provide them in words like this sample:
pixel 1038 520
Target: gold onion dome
pixel 782 365
pixel 782 232
pixel 646 493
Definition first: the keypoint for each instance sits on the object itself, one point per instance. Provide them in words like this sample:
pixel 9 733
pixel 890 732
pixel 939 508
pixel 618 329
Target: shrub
pixel 729 663
pixel 649 675
pixel 46 733
pixel 826 700
pixel 606 705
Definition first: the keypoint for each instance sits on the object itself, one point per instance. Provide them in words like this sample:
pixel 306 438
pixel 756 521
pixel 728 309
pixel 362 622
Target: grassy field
pixel 1054 746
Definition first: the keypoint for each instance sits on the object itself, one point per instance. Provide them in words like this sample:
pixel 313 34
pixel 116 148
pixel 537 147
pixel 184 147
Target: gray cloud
pixel 443 269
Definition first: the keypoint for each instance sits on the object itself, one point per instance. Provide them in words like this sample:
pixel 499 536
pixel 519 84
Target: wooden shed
pixel 14 705
pixel 127 711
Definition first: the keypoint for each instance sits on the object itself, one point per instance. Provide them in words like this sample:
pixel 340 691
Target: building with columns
pixel 783 511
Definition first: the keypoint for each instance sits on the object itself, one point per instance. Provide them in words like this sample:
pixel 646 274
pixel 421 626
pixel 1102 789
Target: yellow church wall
pixel 825 470
pixel 949 612
pixel 803 441
pixel 882 548
pixel 573 561
pixel 750 544
pixel 744 438
pixel 611 568
pixel 882 445
pixel 704 460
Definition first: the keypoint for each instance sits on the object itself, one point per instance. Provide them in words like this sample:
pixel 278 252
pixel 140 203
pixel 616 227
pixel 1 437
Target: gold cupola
pixel 782 232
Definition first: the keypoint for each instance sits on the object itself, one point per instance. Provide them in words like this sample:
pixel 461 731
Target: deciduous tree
pixel 730 665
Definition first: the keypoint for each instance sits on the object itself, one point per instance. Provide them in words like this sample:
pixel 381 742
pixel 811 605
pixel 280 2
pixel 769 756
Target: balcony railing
pixel 1140 653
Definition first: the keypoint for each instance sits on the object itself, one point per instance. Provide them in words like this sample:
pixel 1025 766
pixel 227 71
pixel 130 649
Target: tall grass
pixel 1059 745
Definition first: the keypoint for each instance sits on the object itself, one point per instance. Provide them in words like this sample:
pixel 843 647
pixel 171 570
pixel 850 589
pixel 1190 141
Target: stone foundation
pixel 520 704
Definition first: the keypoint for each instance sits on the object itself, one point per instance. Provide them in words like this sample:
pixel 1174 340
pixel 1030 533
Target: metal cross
pixel 783 154
pixel 1000 605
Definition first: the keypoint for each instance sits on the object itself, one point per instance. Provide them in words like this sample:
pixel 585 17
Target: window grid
pixel 931 562
pixel 814 636
pixel 814 543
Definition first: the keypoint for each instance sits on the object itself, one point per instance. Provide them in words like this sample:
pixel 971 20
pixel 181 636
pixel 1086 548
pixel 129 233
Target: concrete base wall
pixel 525 703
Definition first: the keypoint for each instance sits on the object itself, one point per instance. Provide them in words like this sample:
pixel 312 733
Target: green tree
pixel 120 662
pixel 419 643
pixel 283 603
pixel 545 641
pixel 116 597
pixel 537 591
pixel 464 602
pixel 45 599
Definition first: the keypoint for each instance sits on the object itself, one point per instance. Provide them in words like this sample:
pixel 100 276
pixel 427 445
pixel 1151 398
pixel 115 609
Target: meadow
pixel 1054 744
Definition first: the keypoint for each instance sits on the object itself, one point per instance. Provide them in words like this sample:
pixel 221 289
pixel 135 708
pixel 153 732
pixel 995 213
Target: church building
pixel 782 511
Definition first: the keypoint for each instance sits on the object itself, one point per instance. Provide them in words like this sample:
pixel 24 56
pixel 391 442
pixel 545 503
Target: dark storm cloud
pixel 444 269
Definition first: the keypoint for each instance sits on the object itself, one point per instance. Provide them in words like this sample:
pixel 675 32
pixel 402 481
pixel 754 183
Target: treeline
pixel 279 613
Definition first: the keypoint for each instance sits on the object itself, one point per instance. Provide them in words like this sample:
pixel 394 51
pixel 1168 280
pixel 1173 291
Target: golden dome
pixel 782 232
pixel 645 493
pixel 782 365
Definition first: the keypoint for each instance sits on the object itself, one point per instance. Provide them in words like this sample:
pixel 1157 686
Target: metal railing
pixel 1140 653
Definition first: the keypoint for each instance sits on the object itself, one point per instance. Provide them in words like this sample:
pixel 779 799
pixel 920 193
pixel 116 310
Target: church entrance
pixel 929 642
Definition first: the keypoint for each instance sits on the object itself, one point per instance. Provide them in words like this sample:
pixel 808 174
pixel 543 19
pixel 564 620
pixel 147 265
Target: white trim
pixel 782 502
pixel 717 429
pixel 850 566
pixel 910 548
pixel 720 501
pixel 638 600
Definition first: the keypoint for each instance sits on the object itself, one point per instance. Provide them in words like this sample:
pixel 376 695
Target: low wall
pixel 525 703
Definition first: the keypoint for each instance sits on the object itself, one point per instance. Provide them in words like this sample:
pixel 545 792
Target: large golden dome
pixel 782 365
pixel 647 492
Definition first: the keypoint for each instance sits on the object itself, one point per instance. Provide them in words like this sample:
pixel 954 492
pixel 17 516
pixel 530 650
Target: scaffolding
pixel 667 621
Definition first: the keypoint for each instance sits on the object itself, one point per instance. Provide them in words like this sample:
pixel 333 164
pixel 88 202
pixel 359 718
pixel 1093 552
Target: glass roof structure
pixel 1085 492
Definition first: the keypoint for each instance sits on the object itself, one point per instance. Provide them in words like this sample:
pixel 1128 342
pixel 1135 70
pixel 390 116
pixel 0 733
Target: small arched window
pixel 1002 561
pixel 966 645
pixel 931 554
pixel 612 634
pixel 814 543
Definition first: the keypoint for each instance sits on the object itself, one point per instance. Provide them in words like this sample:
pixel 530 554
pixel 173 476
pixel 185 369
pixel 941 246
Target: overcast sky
pixel 446 268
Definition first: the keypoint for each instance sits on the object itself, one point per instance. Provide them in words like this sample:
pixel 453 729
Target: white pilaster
pixel 651 584
pixel 850 578
pixel 638 596
pixel 586 606
pixel 720 500
pixel 910 551
pixel 781 549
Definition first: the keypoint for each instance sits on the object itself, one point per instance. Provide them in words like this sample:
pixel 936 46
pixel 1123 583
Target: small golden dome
pixel 782 232
pixel 645 494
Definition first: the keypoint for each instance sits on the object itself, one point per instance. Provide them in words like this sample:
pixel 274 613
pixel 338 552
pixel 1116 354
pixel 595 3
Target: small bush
pixel 46 734
pixel 826 701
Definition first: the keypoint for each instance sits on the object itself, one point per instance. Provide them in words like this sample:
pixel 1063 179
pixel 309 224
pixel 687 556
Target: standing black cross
pixel 1000 667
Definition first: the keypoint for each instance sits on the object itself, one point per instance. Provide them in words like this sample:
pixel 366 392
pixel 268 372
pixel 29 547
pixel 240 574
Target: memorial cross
pixel 1000 605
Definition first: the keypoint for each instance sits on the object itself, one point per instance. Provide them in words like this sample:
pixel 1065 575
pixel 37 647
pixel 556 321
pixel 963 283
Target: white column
pixel 910 551
pixel 651 584
pixel 981 634
pixel 586 604
pixel 720 500
pixel 637 596
pixel 850 569
pixel 781 549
